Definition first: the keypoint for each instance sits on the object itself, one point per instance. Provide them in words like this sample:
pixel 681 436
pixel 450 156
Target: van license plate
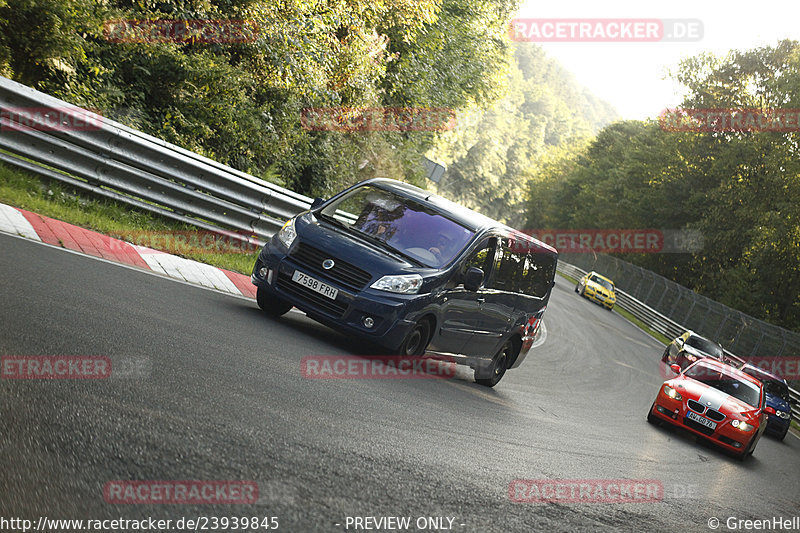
pixel 315 285
pixel 701 420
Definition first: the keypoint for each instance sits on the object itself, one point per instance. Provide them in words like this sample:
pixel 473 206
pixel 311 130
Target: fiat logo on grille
pixel 328 264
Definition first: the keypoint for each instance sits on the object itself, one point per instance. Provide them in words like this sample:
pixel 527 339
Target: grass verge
pixel 52 199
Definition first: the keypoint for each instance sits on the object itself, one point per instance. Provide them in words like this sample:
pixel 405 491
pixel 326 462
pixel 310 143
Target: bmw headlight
pixel 402 284
pixel 741 426
pixel 287 234
pixel 672 393
pixel 783 414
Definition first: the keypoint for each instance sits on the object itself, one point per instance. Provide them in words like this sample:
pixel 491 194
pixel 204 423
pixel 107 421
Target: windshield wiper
pixel 388 247
pixel 371 239
pixel 333 221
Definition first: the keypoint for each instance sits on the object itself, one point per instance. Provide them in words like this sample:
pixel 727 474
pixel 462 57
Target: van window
pixel 511 270
pixel 522 271
pixel 482 258
pixel 404 225
pixel 541 269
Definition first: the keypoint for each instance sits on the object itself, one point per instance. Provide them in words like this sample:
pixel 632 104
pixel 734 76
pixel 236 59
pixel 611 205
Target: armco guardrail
pixel 658 322
pixel 112 160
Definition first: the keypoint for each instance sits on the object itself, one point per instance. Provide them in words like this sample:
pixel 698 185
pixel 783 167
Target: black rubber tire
pixel 751 447
pixel 417 339
pixel 784 434
pixel 499 366
pixel 270 304
pixel 576 289
pixel 651 418
pixel 610 308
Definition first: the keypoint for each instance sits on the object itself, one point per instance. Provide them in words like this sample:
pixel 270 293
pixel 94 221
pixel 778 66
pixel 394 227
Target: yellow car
pixel 597 288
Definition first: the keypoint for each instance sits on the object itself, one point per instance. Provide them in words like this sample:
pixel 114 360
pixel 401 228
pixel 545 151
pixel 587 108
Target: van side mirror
pixel 473 278
pixel 317 202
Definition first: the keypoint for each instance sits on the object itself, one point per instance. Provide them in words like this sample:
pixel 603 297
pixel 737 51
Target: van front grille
pixel 343 273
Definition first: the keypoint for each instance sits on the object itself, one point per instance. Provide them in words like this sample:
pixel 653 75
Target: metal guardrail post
pixel 108 158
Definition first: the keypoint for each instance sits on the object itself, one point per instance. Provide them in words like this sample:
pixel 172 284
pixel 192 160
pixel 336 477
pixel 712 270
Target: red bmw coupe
pixel 714 401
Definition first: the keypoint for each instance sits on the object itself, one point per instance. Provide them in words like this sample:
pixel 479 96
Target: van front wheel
pixel 499 365
pixel 272 305
pixel 417 339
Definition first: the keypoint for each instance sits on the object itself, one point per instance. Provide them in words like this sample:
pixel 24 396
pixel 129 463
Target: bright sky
pixel 631 76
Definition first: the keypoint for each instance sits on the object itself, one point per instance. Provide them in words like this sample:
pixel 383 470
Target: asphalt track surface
pixel 205 387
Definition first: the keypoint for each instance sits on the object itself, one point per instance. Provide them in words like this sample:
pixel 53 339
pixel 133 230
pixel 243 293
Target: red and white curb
pixel 51 231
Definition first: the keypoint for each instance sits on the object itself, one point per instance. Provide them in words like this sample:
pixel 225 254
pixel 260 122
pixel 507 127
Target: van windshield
pixel 400 223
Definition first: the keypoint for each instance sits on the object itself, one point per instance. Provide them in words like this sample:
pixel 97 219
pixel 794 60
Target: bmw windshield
pixel 399 223
pixel 726 382
pixel 705 346
pixel 601 281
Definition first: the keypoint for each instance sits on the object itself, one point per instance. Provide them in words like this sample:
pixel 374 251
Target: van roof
pixel 463 215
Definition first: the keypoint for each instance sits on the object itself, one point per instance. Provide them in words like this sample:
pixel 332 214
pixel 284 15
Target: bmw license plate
pixel 314 284
pixel 700 420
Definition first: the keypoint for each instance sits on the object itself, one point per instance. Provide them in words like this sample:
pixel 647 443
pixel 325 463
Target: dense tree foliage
pixel 493 153
pixel 741 189
pixel 241 102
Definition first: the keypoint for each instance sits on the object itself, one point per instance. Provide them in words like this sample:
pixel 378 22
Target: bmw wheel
pixel 651 417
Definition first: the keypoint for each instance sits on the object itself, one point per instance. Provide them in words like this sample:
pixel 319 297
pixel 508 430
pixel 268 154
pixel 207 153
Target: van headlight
pixel 403 284
pixel 287 234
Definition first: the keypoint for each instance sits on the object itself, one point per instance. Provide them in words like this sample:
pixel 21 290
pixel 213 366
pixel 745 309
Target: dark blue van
pixel 412 272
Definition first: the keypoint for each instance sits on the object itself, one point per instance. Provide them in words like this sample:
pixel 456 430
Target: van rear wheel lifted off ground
pixel 499 365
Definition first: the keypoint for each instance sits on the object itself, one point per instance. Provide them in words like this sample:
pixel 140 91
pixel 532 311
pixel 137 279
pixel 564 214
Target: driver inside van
pixel 442 247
